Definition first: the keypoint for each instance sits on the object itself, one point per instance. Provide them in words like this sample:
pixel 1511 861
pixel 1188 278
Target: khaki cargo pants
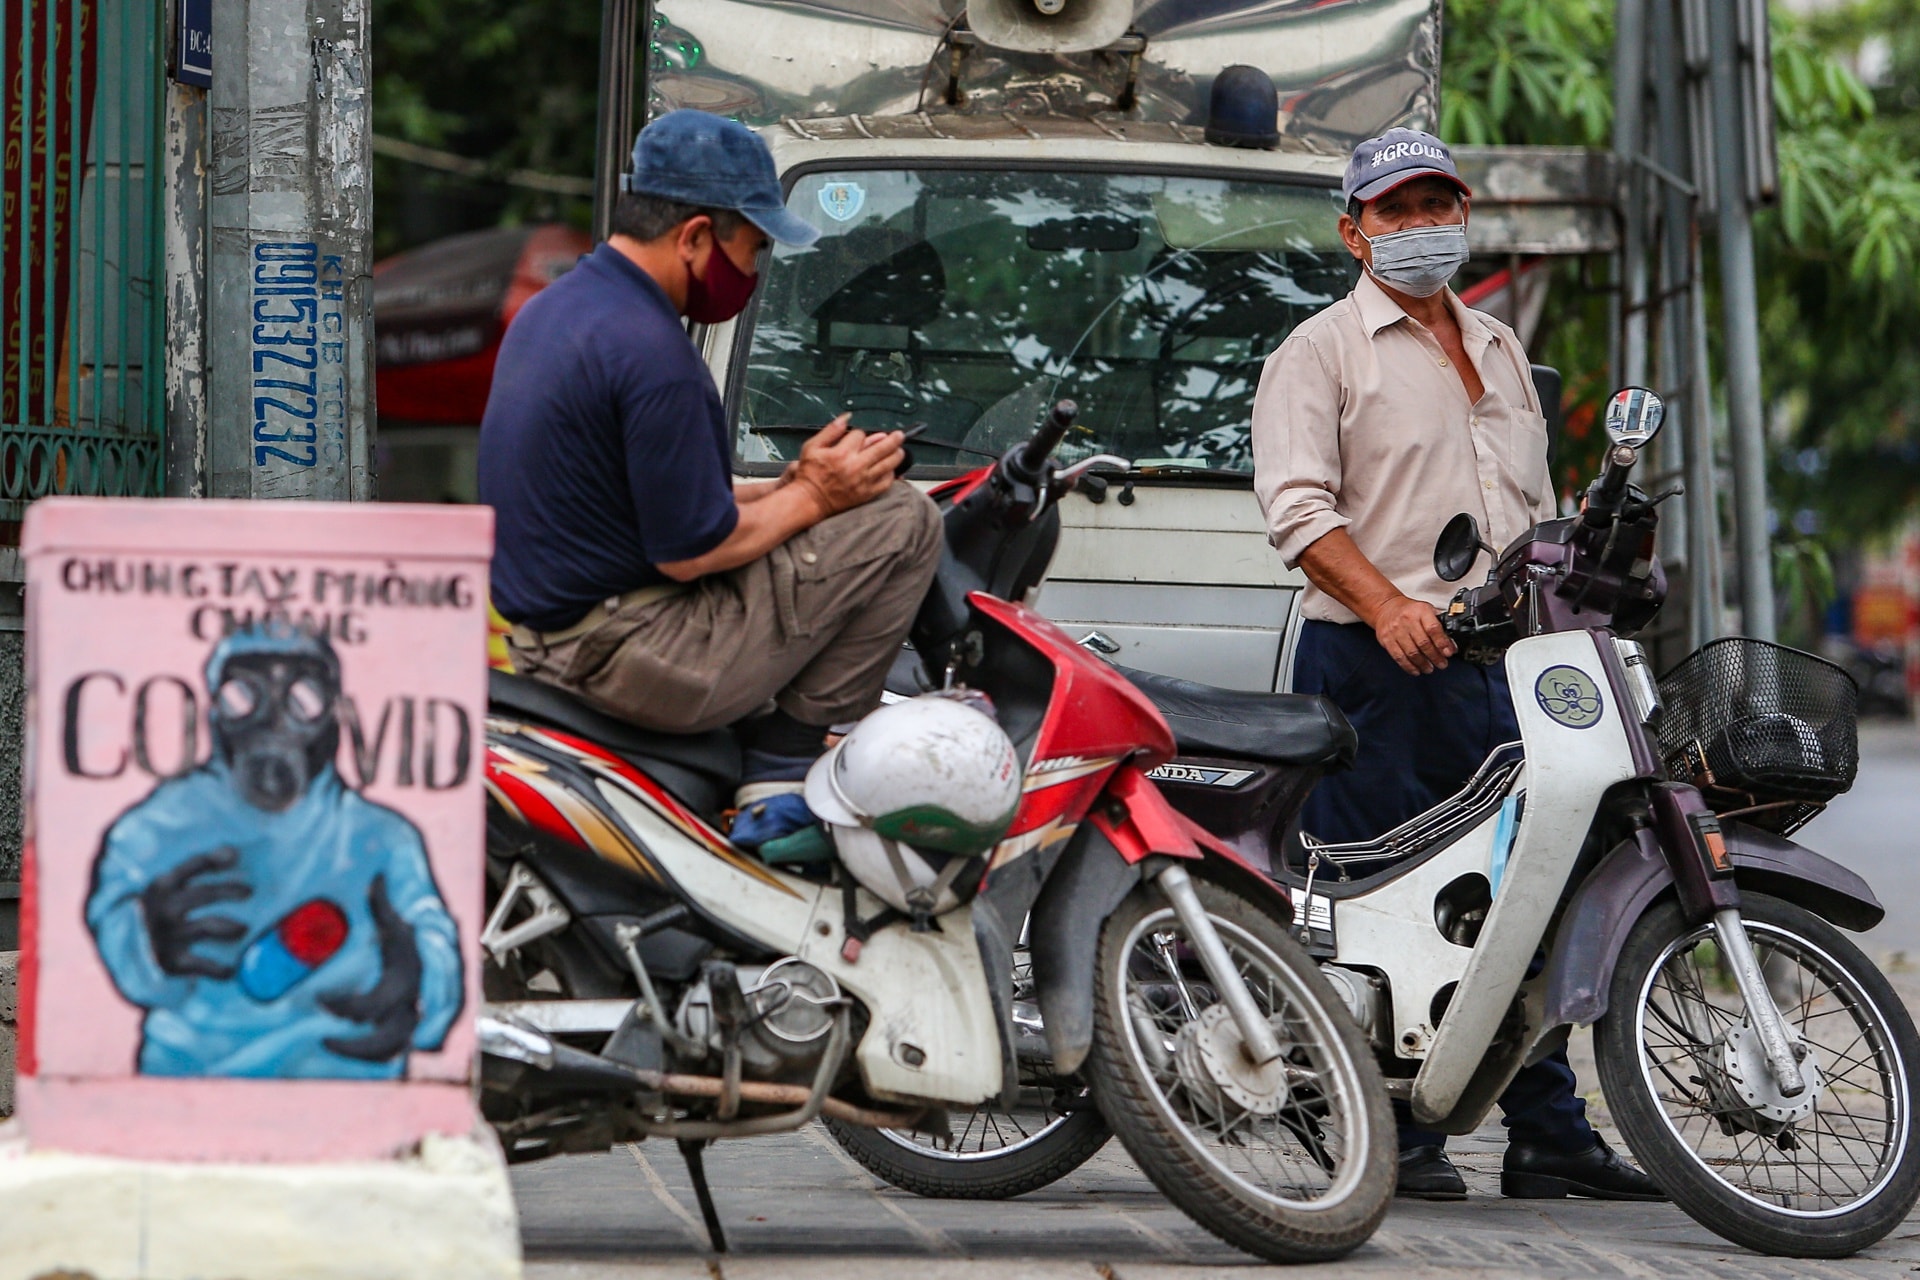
pixel 812 626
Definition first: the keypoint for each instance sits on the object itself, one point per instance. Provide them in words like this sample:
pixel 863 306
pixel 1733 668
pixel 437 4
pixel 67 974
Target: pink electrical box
pixel 255 835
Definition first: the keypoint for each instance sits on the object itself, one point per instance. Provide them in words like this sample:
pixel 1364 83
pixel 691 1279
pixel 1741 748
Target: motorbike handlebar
pixel 1034 454
pixel 1604 498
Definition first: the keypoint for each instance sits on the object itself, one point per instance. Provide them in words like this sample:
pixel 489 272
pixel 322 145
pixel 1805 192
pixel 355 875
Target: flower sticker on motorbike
pixel 1569 696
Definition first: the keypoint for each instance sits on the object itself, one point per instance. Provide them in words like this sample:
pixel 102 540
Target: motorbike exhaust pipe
pixel 574 1068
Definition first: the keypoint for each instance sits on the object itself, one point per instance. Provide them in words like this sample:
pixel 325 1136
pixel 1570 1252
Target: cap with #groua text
pixel 1396 156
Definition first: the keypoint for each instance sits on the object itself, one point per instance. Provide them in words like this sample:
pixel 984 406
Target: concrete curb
pixel 447 1211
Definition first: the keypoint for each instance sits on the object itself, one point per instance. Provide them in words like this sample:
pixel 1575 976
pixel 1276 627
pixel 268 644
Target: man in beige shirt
pixel 1376 421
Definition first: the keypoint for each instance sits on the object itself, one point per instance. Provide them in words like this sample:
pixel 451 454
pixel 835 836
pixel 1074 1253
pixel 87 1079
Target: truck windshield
pixel 970 300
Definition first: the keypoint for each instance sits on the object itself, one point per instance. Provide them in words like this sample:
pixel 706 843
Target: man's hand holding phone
pixel 846 468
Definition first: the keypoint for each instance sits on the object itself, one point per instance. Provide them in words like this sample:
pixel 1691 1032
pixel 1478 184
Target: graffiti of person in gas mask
pixel 269 920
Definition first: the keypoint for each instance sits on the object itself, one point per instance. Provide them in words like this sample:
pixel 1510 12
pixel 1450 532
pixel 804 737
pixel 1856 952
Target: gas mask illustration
pixel 275 720
pixel 268 919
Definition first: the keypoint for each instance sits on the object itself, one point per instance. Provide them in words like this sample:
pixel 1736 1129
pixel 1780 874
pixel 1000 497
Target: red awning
pixel 440 311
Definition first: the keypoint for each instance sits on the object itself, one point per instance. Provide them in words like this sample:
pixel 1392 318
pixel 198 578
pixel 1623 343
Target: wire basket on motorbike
pixel 1767 733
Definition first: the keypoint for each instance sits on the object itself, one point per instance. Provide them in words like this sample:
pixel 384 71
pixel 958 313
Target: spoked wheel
pixel 1292 1161
pixel 1821 1174
pixel 991 1152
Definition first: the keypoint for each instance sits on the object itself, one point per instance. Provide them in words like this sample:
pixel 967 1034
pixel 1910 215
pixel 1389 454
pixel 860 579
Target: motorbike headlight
pixel 1640 682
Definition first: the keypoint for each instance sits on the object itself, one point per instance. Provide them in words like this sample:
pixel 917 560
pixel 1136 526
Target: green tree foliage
pixel 1522 71
pixel 1842 322
pixel 1839 255
pixel 510 82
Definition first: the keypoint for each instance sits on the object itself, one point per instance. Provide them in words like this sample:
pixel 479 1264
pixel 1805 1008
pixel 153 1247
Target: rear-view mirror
pixel 1458 547
pixel 1634 416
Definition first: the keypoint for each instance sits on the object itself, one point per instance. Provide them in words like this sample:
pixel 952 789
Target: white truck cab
pixel 1004 227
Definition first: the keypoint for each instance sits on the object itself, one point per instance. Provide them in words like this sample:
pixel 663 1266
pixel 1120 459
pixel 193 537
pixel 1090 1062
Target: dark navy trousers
pixel 1421 739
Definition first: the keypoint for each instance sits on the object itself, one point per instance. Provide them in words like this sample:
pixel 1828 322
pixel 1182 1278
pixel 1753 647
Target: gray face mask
pixel 1420 260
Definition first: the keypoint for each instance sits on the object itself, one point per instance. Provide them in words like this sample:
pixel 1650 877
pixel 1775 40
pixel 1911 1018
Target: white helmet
pixel 912 793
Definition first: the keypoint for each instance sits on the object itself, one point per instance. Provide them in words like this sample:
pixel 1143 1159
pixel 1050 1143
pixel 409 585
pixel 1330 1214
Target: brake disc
pixel 1210 1057
pixel 1748 1078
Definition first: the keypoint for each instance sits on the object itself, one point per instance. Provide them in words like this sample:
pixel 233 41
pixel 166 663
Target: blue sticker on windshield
pixel 842 201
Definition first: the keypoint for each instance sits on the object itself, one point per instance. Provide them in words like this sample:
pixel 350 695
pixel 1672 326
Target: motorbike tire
pixel 1136 1083
pixel 1661 991
pixel 1041 1159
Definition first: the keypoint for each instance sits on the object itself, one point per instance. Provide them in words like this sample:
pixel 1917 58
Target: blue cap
pixel 1396 156
pixel 699 158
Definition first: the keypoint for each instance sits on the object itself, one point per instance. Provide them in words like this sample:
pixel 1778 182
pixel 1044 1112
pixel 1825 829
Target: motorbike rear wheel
pixel 1293 1161
pixel 993 1153
pixel 1820 1176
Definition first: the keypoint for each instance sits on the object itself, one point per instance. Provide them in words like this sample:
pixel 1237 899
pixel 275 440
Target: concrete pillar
pixel 290 316
pixel 184 160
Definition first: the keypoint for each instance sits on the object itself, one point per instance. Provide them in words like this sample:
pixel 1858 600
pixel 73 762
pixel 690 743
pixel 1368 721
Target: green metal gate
pixel 82 384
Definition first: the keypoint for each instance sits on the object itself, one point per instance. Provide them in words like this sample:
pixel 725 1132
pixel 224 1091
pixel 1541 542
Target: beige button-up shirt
pixel 1362 423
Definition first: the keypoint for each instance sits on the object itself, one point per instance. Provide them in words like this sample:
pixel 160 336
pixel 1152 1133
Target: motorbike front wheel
pixel 1292 1161
pixel 1822 1174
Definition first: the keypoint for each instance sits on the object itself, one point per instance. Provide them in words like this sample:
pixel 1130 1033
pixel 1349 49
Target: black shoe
pixel 1427 1174
pixel 1535 1172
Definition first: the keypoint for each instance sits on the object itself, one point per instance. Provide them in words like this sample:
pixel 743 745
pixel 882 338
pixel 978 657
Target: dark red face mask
pixel 723 294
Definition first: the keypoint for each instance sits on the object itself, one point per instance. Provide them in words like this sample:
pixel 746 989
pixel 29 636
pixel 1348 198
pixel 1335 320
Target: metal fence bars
pixel 81 385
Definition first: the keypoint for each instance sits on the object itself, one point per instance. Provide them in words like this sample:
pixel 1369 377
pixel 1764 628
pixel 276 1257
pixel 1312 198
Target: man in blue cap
pixel 1376 421
pixel 638 574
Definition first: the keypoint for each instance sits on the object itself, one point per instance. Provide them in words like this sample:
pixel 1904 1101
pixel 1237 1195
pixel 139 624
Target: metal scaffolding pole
pixel 1683 348
pixel 1740 318
pixel 1629 143
pixel 619 30
pixel 1707 595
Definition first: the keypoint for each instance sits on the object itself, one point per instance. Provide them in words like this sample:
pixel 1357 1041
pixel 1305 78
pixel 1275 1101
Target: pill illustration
pixel 303 940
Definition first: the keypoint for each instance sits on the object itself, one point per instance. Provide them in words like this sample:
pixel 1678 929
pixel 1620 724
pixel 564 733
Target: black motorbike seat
pixel 712 759
pixel 1277 728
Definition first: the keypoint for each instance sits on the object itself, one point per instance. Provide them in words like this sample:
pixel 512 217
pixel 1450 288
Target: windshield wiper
pixel 1175 470
pixel 953 445
pixel 956 446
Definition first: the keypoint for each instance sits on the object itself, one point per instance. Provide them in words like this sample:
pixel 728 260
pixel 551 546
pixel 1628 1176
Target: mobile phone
pixel 906 455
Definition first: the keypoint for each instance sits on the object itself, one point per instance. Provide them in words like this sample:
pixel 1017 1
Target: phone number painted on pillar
pixel 299 354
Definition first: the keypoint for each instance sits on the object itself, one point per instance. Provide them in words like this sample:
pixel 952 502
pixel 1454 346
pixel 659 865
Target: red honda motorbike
pixel 646 978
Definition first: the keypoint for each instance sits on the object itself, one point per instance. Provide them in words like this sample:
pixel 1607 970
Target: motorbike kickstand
pixel 693 1151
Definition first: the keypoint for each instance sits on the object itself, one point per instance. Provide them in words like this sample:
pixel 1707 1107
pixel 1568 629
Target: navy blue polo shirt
pixel 604 449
